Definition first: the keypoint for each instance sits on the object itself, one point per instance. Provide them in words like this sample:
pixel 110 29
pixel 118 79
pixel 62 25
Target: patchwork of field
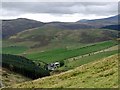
pixel 64 53
pixel 92 75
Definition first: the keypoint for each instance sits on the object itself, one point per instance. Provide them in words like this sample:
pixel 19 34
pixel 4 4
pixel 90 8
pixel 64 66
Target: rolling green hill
pixel 48 38
pixel 98 74
pixel 46 35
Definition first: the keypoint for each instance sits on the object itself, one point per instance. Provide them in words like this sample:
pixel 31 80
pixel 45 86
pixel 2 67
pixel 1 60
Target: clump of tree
pixel 62 63
pixel 23 66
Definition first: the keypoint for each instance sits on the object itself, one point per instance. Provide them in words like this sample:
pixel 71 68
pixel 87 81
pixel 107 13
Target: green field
pixel 98 74
pixel 64 53
pixel 14 49
pixel 70 64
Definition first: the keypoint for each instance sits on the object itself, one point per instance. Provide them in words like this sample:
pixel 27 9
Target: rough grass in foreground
pixel 8 77
pixel 99 74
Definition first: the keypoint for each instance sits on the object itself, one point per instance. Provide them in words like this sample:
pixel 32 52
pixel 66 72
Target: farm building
pixel 53 66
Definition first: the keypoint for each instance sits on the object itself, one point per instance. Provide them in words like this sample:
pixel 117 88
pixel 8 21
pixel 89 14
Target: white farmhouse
pixel 53 66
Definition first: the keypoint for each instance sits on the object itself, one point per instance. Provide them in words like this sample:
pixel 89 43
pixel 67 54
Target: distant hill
pixel 85 24
pixel 112 27
pixel 101 22
pixel 98 74
pixel 68 25
pixel 11 27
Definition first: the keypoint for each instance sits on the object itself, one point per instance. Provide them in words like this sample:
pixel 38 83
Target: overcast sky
pixel 58 11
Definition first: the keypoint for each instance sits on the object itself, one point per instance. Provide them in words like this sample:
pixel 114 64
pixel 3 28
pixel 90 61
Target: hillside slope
pixel 97 74
pixel 24 66
pixel 69 25
pixel 11 27
pixel 46 35
pixel 9 77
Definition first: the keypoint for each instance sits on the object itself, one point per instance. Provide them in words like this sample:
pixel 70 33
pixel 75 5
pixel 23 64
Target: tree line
pixel 23 66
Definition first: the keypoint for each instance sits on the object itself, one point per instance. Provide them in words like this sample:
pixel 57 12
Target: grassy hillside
pixel 57 34
pixel 9 77
pixel 98 74
pixel 45 36
pixel 50 37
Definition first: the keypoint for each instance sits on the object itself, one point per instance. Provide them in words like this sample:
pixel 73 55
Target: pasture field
pixel 14 49
pixel 97 74
pixel 70 64
pixel 64 53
